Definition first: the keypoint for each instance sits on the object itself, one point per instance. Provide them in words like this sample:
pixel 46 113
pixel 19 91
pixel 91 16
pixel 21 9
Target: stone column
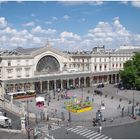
pixel 2 91
pixel 84 81
pixel 74 83
pixel 115 78
pixel 111 79
pixel 97 79
pixel 14 88
pixel 32 86
pixel 22 86
pixel 91 81
pixel 55 85
pixel 79 83
pixel 68 85
pixel 48 88
pixel 107 79
pixel 61 84
pixel 41 86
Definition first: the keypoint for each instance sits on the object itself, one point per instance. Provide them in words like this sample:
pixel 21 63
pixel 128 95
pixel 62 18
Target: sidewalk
pixel 108 123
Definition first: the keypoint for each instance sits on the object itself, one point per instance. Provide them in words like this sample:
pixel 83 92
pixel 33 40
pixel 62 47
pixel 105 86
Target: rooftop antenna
pixel 48 44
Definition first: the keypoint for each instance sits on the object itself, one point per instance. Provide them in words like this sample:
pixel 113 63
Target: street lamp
pixel 133 105
pixel 27 120
pixel 82 92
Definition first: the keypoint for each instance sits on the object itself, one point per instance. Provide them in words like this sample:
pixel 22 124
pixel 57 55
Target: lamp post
pixel 27 120
pixel 133 105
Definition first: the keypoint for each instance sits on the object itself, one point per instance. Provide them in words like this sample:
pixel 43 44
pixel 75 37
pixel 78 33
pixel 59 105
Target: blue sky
pixel 69 25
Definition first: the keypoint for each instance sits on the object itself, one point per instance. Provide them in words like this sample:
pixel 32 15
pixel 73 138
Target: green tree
pixel 130 75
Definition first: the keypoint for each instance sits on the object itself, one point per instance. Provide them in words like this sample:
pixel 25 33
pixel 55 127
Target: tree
pixel 130 75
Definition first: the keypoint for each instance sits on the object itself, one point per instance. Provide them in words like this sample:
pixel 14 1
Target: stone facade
pixel 19 72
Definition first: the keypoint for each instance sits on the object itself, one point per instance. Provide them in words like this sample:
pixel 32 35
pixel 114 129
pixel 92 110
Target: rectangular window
pixel 9 63
pixel 95 68
pixel 27 62
pixel 27 72
pixel 18 62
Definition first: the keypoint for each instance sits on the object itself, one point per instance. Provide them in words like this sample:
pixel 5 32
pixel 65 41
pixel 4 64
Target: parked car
pixel 5 122
pixel 100 85
pixel 98 92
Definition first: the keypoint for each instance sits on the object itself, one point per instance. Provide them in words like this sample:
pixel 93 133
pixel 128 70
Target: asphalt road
pixel 128 131
pixel 15 119
pixel 9 135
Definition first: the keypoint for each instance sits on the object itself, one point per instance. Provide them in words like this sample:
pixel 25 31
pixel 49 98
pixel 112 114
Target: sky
pixel 70 25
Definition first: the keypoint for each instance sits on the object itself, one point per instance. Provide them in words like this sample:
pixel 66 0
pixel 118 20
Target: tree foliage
pixel 130 75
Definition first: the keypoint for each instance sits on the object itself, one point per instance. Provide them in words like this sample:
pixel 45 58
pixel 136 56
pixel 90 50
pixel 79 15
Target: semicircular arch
pixel 48 63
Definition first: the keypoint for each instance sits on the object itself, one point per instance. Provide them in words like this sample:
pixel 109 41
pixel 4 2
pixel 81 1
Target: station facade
pixel 46 68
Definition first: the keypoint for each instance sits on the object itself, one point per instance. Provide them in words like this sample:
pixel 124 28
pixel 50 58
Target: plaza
pixel 69 69
pixel 110 98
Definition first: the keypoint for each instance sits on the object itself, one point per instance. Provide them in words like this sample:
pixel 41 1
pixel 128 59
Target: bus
pixel 23 94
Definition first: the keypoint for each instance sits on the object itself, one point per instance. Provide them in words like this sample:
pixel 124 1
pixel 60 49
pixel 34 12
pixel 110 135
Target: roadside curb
pixel 10 130
pixel 120 123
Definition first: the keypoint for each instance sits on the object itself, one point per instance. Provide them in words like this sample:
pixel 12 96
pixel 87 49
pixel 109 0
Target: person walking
pixel 100 129
pixel 67 127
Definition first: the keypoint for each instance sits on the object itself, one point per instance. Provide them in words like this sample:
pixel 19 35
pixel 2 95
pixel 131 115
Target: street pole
pixel 69 116
pixel 82 92
pixel 28 129
pixel 133 105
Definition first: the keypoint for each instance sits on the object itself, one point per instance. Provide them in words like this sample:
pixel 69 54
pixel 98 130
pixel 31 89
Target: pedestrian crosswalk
pixel 45 130
pixel 88 134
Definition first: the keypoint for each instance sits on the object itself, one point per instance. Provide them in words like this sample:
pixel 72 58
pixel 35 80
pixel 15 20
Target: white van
pixel 5 121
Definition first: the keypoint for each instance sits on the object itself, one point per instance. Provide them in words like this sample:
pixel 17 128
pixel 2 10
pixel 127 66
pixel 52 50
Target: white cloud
pixel 29 24
pixel 69 35
pixel 136 3
pixel 48 22
pixel 109 34
pixel 3 22
pixel 112 34
pixel 33 15
pixel 54 18
pixel 124 2
pixel 20 1
pixel 75 3
pixel 8 30
pixel 36 40
pixel 66 17
pixel 50 31
pixel 38 29
pixel 18 41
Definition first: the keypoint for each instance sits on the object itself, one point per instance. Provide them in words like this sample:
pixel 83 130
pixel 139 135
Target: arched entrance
pixel 48 64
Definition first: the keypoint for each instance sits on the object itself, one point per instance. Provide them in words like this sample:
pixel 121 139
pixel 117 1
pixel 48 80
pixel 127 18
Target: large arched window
pixel 48 64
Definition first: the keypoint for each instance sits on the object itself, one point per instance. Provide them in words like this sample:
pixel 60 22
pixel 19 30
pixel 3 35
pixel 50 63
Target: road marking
pixel 105 137
pixel 100 137
pixel 88 133
pixel 95 136
pixel 74 129
pixel 85 132
pixel 78 130
pixel 94 133
pixel 69 128
pixel 81 131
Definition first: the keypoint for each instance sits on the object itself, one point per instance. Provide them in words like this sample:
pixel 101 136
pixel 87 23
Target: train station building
pixel 46 68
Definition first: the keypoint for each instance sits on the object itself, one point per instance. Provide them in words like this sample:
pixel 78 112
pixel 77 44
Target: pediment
pixel 48 48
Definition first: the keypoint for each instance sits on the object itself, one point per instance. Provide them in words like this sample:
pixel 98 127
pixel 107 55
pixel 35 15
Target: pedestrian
pixel 67 127
pixel 100 129
pixel 119 106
